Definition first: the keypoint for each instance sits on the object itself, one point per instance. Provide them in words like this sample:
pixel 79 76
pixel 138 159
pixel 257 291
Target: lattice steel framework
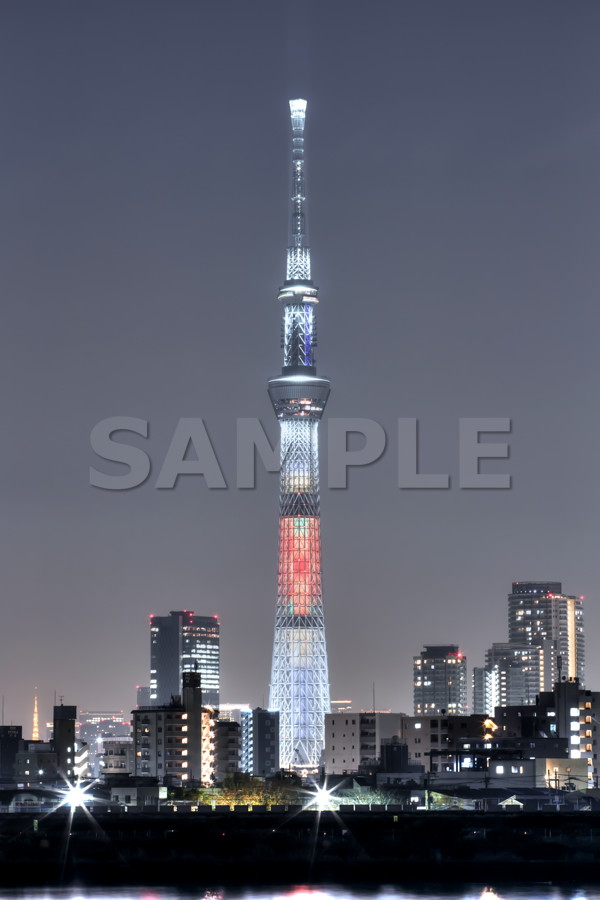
pixel 299 676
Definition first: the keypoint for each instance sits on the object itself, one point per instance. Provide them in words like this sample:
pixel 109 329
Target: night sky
pixel 453 162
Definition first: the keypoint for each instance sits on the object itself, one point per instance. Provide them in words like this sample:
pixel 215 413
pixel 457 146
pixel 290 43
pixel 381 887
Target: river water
pixel 466 892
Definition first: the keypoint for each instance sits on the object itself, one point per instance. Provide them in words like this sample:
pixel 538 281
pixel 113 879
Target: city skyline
pixel 453 170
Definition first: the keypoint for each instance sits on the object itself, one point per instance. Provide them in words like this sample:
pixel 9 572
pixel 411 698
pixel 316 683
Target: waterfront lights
pixel 74 795
pixel 322 800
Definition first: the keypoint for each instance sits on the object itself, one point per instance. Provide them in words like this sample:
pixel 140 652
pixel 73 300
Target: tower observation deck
pixel 299 675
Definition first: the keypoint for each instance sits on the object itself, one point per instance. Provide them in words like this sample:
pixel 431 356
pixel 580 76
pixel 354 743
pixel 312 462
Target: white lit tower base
pixel 299 677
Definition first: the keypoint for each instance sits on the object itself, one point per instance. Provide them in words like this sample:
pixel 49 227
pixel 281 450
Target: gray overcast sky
pixel 453 175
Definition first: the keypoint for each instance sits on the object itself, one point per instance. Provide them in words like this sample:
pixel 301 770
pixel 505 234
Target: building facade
pixel 36 763
pixel 94 727
pixel 184 642
pixel 461 743
pixel 10 740
pixel 142 695
pixel 539 614
pixel 176 743
pixel 228 749
pixel 260 742
pixel 440 681
pixel 511 677
pixel 299 674
pixel 573 713
pixel 424 737
pixel 353 740
pixel 63 740
pixel 117 756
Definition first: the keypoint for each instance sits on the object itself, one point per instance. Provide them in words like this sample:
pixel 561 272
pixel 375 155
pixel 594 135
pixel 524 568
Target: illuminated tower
pixel 36 719
pixel 299 675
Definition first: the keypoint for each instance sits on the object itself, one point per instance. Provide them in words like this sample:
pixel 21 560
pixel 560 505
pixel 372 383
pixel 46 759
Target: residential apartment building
pixel 176 743
pixel 440 681
pixel 353 740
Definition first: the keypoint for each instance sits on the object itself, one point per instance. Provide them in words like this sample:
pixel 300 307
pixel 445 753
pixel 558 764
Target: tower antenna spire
pixel 298 254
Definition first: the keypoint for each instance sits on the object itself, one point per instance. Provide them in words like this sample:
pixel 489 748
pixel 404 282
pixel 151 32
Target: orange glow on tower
pixel 36 718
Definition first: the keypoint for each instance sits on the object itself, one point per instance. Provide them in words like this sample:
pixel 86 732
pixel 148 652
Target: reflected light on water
pixel 306 892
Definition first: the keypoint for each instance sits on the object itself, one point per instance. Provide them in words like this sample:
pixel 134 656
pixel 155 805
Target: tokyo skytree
pixel 299 675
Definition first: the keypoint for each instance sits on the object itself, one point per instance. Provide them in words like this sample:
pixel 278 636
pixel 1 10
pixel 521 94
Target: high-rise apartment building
pixel 299 674
pixel 510 677
pixel 183 642
pixel 440 681
pixel 539 614
pixel 175 742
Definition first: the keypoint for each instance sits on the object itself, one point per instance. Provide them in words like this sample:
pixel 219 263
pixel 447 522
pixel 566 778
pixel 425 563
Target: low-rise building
pixel 569 712
pixel 36 763
pixel 117 758
pixel 142 793
pixel 228 749
pixel 353 740
pixel 260 742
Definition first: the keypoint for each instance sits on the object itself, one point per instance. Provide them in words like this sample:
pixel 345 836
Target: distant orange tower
pixel 36 718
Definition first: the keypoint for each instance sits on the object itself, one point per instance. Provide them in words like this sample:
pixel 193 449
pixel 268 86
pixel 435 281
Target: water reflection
pixel 304 892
